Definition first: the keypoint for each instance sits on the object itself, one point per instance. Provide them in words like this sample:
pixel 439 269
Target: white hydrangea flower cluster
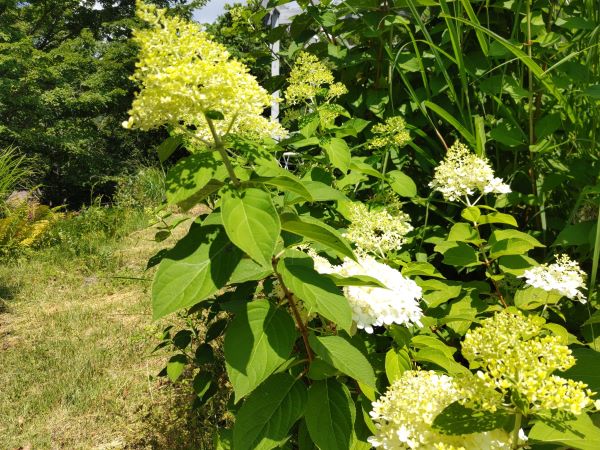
pixel 564 276
pixel 376 231
pixel 516 358
pixel 405 414
pixel 463 173
pixel 377 306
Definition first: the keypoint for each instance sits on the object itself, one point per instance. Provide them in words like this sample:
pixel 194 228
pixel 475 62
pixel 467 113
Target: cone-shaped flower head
pixel 184 76
pixel 392 132
pixel 309 79
pixel 463 173
pixel 517 358
pixel 376 230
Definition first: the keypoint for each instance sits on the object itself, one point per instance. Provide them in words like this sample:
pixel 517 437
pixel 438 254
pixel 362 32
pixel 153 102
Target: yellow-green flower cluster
pixel 376 231
pixel 517 359
pixel 463 173
pixel 309 79
pixel 405 414
pixel 391 133
pixel 184 75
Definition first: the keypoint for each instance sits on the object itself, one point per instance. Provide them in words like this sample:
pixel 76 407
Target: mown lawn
pixel 76 369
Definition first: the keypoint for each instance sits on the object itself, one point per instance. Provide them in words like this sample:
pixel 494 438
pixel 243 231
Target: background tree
pixel 65 90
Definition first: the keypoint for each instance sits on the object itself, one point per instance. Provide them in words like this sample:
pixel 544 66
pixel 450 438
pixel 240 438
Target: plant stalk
pixel 223 152
pixel 299 322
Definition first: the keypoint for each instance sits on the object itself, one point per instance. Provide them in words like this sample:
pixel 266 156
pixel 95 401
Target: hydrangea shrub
pixel 342 325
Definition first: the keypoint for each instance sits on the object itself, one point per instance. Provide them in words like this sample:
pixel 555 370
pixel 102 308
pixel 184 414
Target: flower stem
pixel 515 433
pixel 299 322
pixel 223 152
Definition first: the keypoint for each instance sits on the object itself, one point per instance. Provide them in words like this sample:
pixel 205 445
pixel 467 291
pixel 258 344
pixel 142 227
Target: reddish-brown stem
pixel 299 322
pixel 488 267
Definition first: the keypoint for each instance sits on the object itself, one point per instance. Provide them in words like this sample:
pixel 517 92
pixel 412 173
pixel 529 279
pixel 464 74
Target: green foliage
pixel 65 90
pixel 269 260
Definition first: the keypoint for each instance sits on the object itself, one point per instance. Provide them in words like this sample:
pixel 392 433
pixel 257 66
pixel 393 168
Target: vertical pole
pixel 275 66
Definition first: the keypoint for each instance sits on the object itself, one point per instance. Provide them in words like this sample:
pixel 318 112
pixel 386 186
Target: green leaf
pixel 309 124
pixel 320 192
pixel 452 121
pixel 402 184
pixel 397 362
pixel 498 217
pixel 457 419
pixel 458 254
pixel 249 270
pixel 364 168
pixel 342 355
pixel 464 232
pixel 319 370
pixel 509 247
pixel 175 367
pixel 516 264
pixel 190 180
pixel 415 268
pixel 471 213
pixel 251 222
pixel 355 280
pixel 167 147
pixel 265 419
pixel 439 358
pixel 499 235
pixel 197 267
pixel 338 153
pixel 214 114
pixel 592 91
pixel 316 231
pixel 580 433
pixel 532 297
pixel 330 415
pixel 424 341
pixel 287 184
pixel 258 340
pixel 436 292
pixel 202 382
pixel 319 293
pixel 586 368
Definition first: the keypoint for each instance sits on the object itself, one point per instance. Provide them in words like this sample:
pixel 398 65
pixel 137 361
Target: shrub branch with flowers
pixel 339 331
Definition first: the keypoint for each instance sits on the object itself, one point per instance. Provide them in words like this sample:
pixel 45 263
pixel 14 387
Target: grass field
pixel 76 369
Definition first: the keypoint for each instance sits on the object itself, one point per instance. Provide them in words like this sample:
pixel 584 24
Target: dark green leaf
pixel 316 231
pixel 193 178
pixel 402 184
pixel 175 367
pixel 586 368
pixel 318 292
pixel 258 340
pixel 263 422
pixel 167 147
pixel 251 222
pixel 338 153
pixel 342 355
pixel 196 268
pixel 458 419
pixel 330 415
